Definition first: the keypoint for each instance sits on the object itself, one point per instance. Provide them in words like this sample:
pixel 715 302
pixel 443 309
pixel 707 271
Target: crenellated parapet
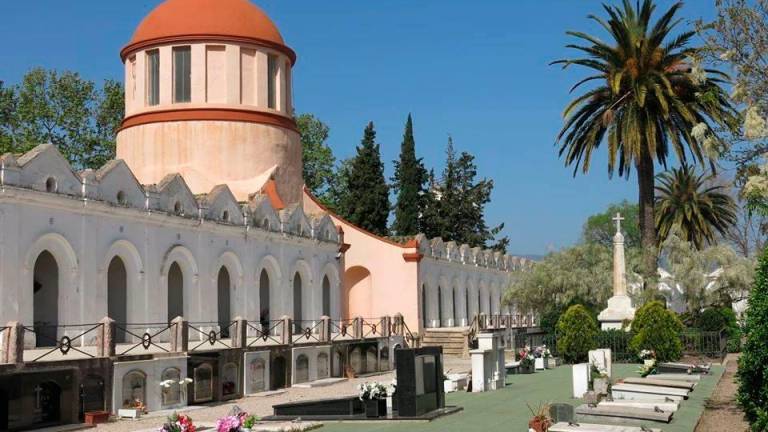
pixel 464 254
pixel 44 170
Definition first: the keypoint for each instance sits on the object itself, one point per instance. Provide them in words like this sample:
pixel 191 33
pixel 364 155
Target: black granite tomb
pixel 419 380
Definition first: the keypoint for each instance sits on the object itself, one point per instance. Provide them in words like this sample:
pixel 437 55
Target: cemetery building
pixel 196 266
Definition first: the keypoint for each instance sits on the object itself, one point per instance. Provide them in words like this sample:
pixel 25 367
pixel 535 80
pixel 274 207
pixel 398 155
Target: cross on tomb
pixel 618 220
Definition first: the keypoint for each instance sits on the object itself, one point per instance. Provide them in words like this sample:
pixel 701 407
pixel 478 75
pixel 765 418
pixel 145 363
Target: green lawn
pixel 505 410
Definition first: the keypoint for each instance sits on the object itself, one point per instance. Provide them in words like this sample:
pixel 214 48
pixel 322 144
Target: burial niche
pixel 229 380
pixel 175 292
pixel 257 376
pixel 224 292
pixel 297 304
pixel 117 295
pixel 3 410
pixel 384 358
pixel 134 389
pixel 264 300
pixel 45 313
pixel 92 393
pixel 326 296
pixel 50 402
pixel 322 366
pixel 371 359
pixel 203 383
pixel 302 368
pixel 279 373
pixel 171 384
pixel 356 360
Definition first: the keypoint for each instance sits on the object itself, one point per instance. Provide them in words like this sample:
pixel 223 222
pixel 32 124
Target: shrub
pixel 576 334
pixel 753 364
pixel 656 328
pixel 717 318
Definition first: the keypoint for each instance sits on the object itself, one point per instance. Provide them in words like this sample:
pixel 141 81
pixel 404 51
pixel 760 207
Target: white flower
pixel 755 125
pixel 700 131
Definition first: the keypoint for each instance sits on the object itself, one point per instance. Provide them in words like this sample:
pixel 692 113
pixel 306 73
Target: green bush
pixel 717 318
pixel 658 329
pixel 576 334
pixel 753 364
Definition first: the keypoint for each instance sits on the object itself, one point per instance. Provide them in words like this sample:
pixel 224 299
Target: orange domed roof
pixel 224 20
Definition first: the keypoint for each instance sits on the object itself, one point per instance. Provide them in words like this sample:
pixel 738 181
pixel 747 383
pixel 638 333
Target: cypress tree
pixel 408 182
pixel 366 203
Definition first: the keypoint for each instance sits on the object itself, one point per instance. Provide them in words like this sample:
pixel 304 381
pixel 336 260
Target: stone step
pixel 593 427
pixel 649 404
pixel 625 412
pixel 660 383
pixel 649 389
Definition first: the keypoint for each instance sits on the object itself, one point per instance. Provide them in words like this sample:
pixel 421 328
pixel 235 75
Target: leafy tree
pixel 576 334
pixel 409 183
pixel 579 274
pixel 691 269
pixel 693 205
pixel 317 157
pixel 65 110
pixel 753 364
pixel 367 202
pixel 456 210
pixel 649 97
pixel 658 329
pixel 738 38
pixel 600 228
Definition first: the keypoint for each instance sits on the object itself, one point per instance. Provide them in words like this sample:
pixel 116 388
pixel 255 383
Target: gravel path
pixel 721 413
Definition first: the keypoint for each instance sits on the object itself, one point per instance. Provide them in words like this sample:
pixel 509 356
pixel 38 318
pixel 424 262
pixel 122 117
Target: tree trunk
pixel 645 178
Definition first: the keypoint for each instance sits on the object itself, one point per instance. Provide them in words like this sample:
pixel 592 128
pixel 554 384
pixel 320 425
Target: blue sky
pixel 475 70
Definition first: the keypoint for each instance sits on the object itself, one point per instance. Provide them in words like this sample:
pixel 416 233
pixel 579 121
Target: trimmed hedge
pixel 576 334
pixel 753 364
pixel 658 329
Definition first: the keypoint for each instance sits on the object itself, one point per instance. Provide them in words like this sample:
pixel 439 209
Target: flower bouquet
pixel 178 423
pixel 648 357
pixel 374 394
pixel 236 421
pixel 527 360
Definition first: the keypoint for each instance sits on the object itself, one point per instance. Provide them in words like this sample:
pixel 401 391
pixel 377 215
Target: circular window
pixel 121 198
pixel 50 185
pixel 225 216
pixel 177 208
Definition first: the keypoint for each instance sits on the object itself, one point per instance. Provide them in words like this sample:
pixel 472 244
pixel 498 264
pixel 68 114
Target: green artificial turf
pixel 506 410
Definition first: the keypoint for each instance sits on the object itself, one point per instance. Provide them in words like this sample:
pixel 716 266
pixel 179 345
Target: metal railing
pixel 307 330
pixel 266 331
pixel 372 327
pixel 210 337
pixel 342 328
pixel 709 343
pixel 147 339
pixel 64 344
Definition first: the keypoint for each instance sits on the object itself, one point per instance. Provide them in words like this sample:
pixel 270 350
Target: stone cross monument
pixel 620 305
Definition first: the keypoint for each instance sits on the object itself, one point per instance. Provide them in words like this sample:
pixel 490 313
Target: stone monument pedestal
pixel 619 310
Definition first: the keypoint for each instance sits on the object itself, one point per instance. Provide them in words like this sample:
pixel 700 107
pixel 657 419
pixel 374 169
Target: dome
pixel 220 20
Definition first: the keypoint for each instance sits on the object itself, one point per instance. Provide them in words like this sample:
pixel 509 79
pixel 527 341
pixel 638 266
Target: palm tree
pixel 693 205
pixel 651 95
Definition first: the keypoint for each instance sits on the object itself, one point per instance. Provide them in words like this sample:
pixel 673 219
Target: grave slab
pixel 635 396
pixel 581 376
pixel 661 404
pixel 677 377
pixel 320 383
pixel 657 390
pixel 689 368
pixel 622 413
pixel 660 383
pixel 593 427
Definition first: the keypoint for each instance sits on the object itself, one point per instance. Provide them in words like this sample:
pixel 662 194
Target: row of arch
pixel 453 305
pixel 53 266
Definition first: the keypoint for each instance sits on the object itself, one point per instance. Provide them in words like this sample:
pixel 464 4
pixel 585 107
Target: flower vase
pixel 375 408
pixel 539 424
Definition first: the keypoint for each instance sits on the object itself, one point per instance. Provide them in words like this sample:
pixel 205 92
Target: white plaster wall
pixel 85 236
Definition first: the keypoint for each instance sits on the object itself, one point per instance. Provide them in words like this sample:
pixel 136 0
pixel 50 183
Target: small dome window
pixel 177 208
pixel 225 216
pixel 121 198
pixel 51 185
